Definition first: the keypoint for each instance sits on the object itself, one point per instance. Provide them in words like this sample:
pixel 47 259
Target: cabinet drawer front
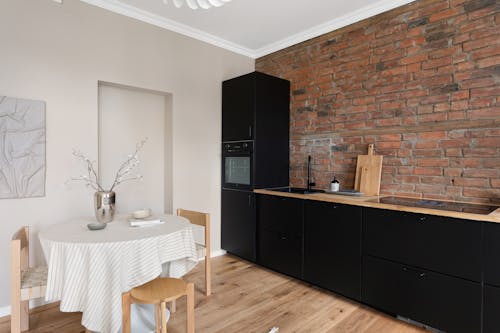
pixel 491 323
pixel 280 214
pixel 280 252
pixel 492 253
pixel 447 303
pixel 445 245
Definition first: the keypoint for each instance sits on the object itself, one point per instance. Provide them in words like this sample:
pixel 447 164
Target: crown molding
pixel 162 22
pixel 329 26
pixel 363 13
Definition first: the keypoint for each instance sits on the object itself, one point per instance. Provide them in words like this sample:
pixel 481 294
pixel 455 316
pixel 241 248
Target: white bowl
pixel 142 214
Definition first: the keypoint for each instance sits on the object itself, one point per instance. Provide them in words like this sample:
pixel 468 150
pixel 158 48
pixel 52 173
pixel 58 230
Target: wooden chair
pixel 159 292
pixel 25 283
pixel 202 219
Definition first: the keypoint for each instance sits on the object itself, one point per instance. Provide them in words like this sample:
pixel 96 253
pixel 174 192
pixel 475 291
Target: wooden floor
pixel 248 298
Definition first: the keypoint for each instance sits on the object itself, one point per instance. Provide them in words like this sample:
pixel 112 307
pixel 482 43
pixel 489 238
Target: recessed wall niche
pixel 127 115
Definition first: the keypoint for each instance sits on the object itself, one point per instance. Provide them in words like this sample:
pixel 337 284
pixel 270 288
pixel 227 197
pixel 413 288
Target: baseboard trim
pixel 34 308
pixel 217 253
pixel 4 313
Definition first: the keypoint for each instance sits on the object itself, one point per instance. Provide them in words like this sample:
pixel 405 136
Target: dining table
pixel 89 270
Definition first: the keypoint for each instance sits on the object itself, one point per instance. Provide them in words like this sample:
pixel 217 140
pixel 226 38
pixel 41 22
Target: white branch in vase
pixel 92 179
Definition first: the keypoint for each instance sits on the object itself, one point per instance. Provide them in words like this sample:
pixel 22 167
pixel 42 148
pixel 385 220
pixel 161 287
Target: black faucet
pixel 309 183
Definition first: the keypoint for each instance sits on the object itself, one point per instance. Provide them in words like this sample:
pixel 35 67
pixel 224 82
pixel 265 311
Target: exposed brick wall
pixel 422 82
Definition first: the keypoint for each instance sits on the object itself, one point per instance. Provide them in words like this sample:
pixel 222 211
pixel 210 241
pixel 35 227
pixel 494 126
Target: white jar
pixel 334 187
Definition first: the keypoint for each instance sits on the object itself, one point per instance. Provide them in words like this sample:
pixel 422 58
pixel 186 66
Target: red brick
pixel 416 58
pixel 432 162
pixel 432 135
pixel 444 14
pixel 470 182
pixel 480 173
pixel 453 172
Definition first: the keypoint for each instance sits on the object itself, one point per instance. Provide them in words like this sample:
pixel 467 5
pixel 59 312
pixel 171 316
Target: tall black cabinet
pixel 256 116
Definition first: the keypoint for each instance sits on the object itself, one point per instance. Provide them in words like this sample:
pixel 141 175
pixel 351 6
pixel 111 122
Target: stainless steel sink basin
pixel 298 190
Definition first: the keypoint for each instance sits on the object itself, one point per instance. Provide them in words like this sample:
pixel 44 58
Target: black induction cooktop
pixel 441 205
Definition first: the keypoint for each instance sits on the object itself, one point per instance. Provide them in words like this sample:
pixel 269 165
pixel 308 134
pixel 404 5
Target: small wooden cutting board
pixel 368 173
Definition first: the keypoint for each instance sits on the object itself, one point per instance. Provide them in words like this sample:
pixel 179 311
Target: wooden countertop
pixel 371 201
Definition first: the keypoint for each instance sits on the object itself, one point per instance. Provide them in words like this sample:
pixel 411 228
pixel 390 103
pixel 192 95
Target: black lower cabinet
pixel 279 237
pixel 238 227
pixel 441 244
pixel 280 252
pixel 491 253
pixel 491 309
pixel 447 303
pixel 332 247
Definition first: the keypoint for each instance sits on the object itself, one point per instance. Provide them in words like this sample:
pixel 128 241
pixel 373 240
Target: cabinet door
pixel 238 105
pixel 280 234
pixel 440 301
pixel 491 323
pixel 491 250
pixel 332 247
pixel 281 252
pixel 280 214
pixel 441 244
pixel 238 226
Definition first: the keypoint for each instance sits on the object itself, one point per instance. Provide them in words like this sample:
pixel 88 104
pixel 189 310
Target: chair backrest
pixel 19 256
pixel 20 248
pixel 202 219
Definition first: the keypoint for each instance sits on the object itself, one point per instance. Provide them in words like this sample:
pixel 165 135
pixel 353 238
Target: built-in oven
pixel 237 165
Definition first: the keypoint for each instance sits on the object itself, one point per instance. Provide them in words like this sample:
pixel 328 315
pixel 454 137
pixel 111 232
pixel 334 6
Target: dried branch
pixel 92 179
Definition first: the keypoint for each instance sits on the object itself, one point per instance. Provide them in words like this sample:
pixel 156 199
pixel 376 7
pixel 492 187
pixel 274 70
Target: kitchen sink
pixel 298 190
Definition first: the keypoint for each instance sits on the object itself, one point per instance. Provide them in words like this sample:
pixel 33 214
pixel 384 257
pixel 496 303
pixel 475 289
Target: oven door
pixel 237 171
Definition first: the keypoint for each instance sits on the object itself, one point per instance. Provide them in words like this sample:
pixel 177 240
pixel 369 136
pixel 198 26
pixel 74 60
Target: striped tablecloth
pixel 89 270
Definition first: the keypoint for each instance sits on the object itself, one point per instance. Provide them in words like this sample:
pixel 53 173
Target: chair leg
pixel 208 279
pixel 190 308
pixel 158 318
pixel 173 306
pixel 25 316
pixel 126 313
pixel 15 317
pixel 163 317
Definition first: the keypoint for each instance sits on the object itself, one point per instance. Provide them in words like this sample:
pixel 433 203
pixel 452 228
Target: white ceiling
pixel 252 27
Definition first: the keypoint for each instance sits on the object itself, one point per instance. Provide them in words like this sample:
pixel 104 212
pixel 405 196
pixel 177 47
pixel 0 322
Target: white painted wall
pixel 58 53
pixel 126 117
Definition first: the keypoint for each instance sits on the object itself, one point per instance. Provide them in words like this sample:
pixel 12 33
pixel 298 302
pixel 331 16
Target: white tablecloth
pixel 89 270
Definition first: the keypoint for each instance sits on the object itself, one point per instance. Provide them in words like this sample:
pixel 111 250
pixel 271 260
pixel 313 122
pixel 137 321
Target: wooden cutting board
pixel 368 173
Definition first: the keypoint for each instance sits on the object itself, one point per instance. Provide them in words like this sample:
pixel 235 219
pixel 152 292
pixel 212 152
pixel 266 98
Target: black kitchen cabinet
pixel 491 310
pixel 448 303
pixel 332 247
pixel 238 232
pixel 281 252
pixel 256 107
pixel 280 214
pixel 238 108
pixel 255 104
pixel 491 250
pixel 280 234
pixel 441 244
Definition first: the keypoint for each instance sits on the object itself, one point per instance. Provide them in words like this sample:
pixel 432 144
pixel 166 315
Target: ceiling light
pixel 194 4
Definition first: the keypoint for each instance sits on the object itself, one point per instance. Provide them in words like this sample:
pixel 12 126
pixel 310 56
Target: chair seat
pixel 201 250
pixel 33 283
pixel 159 290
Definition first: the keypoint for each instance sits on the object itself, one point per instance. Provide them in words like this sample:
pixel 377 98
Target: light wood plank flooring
pixel 248 298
